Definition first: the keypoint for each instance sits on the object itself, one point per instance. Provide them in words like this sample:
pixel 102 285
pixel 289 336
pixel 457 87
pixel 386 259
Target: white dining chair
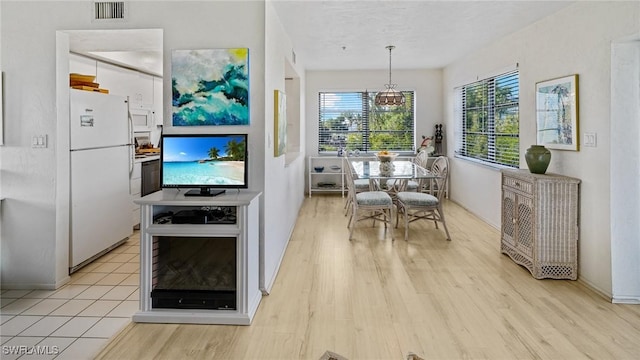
pixel 415 205
pixel 421 159
pixel 360 185
pixel 375 205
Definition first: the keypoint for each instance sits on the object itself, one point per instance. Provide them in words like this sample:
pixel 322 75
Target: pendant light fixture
pixel 390 96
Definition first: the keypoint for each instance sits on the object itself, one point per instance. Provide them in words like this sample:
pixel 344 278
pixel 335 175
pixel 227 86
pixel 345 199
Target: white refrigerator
pixel 101 159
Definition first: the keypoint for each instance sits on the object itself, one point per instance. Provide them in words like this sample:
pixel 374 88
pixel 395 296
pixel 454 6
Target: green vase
pixel 538 158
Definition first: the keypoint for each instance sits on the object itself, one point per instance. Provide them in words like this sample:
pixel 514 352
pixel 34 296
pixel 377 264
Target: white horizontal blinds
pixel 458 116
pixel 475 113
pixel 392 127
pixel 352 121
pixel 507 119
pixel 341 118
pixel 488 127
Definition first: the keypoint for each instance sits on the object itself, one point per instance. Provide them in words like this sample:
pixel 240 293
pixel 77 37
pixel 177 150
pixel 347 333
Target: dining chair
pixel 375 205
pixel 360 185
pixel 432 187
pixel 421 159
pixel 415 205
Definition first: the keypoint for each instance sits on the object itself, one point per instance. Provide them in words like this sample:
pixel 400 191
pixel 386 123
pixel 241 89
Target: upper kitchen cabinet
pixel 158 110
pixel 120 81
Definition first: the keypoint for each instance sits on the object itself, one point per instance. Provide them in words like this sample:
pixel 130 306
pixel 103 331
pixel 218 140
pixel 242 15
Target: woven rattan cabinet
pixel 540 223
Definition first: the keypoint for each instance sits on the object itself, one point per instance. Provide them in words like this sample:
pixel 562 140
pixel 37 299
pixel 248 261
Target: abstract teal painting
pixel 210 87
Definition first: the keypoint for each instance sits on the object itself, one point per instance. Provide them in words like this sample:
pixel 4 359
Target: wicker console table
pixel 540 226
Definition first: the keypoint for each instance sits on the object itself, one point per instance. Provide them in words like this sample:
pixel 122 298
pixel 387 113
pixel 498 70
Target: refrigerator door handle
pixel 131 162
pixel 131 141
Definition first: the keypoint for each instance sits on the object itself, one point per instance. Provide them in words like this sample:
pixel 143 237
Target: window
pixel 487 124
pixel 352 121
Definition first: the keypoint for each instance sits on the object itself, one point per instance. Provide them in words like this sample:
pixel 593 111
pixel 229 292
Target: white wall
pixel 426 84
pixel 284 182
pixel 34 240
pixel 576 40
pixel 625 171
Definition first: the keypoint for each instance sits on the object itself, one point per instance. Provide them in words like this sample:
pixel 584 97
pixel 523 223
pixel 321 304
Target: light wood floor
pixel 371 298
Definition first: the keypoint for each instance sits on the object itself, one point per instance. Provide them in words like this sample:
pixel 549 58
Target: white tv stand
pixel 245 230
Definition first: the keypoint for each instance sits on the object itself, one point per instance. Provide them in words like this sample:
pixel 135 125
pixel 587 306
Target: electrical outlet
pixel 590 139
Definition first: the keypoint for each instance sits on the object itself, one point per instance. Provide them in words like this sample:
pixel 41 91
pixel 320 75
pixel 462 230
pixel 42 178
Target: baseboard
pixel 29 286
pixel 603 294
pixel 35 286
pixel 632 300
pixel 495 226
pixel 63 281
pixel 267 286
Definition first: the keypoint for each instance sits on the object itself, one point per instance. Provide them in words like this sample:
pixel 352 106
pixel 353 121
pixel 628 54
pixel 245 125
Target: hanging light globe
pixel 390 96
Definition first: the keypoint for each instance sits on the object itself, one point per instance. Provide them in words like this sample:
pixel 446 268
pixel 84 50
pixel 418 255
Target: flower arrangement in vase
pixel 386 156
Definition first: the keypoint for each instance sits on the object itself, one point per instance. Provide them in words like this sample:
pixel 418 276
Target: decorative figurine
pixel 426 145
pixel 438 138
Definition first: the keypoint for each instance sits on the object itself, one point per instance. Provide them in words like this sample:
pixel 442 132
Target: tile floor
pixel 77 320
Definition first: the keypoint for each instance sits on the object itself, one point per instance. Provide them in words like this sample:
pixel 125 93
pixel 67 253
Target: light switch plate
pixel 590 139
pixel 39 141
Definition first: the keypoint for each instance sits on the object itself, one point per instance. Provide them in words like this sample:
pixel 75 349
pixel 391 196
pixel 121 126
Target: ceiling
pixel 352 34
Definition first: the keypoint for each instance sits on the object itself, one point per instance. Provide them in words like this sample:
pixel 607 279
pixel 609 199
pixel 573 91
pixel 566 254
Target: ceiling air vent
pixel 109 10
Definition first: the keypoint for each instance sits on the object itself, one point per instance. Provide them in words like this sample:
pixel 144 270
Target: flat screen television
pixel 208 164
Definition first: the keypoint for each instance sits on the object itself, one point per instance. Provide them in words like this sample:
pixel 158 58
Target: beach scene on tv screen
pixel 203 160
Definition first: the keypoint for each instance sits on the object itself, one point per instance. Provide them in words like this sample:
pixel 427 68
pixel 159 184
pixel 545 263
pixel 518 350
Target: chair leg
pixel 352 222
pixel 386 217
pixel 444 224
pixel 393 236
pixel 347 206
pixel 351 214
pixel 406 224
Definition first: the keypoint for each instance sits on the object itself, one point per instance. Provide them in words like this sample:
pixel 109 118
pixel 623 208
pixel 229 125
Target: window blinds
pixel 351 121
pixel 487 126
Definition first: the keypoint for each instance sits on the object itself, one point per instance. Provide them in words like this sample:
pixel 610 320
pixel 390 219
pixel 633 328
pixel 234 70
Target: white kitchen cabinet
pixel 120 81
pixel 157 101
pixel 135 181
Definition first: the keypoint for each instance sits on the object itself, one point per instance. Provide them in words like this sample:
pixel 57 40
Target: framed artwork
pixel 280 123
pixel 557 113
pixel 210 87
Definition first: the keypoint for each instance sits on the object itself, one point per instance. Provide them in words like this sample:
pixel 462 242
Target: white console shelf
pixel 245 230
pixel 330 178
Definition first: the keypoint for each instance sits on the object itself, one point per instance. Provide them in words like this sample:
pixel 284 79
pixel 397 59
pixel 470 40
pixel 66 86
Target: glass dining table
pixel 379 173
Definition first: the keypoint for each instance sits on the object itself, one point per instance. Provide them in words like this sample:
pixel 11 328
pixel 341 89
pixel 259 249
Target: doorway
pixel 135 49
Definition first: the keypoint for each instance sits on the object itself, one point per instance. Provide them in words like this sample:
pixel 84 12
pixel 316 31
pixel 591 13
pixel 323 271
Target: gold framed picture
pixel 280 123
